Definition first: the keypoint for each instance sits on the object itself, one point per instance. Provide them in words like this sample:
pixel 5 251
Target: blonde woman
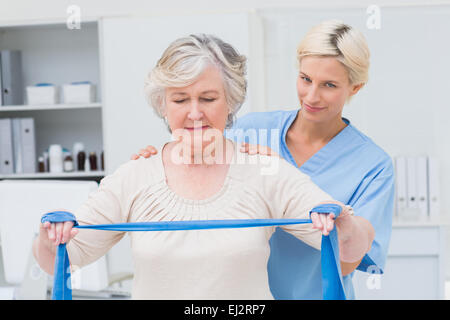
pixel 333 62
pixel 197 86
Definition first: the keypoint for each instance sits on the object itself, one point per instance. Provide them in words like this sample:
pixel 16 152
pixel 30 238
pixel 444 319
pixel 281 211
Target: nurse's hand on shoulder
pixel 245 148
pixel 146 153
pixel 325 221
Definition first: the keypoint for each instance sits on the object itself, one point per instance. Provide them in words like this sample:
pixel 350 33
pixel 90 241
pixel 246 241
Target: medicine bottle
pixel 68 163
pixel 93 161
pixel 81 158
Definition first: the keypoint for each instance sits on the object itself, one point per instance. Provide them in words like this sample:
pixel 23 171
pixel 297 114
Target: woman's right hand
pixel 146 153
pixel 53 234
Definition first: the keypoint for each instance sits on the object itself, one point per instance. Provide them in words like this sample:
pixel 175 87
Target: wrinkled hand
pixel 53 234
pixel 146 153
pixel 326 221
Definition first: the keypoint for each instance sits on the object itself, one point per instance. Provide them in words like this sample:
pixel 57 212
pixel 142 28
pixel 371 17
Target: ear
pixel 355 88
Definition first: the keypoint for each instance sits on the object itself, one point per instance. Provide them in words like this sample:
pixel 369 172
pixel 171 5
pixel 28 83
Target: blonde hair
pixel 183 62
pixel 336 39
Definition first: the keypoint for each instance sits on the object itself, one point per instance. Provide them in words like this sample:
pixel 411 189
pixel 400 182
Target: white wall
pixel 17 10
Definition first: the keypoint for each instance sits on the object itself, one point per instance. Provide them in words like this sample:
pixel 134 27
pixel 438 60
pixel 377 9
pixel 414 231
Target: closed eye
pixel 208 99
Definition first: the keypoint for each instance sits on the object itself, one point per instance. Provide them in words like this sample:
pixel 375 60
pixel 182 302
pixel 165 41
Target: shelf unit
pixel 50 175
pixel 54 54
pixel 50 107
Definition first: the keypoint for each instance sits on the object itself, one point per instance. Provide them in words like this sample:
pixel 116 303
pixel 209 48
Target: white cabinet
pixel 51 53
pixel 415 266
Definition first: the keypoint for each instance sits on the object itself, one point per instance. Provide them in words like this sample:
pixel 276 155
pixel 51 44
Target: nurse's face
pixel 323 87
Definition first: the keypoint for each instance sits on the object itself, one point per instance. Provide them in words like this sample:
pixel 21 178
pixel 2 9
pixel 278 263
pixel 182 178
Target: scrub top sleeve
pixel 376 204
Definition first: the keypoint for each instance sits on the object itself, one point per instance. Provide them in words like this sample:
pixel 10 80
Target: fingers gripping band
pixel 332 283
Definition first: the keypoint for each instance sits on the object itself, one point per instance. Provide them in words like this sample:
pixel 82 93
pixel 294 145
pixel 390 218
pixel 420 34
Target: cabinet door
pixel 130 47
pixel 414 267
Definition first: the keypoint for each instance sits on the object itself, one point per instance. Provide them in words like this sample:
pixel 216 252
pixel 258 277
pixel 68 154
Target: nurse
pixel 333 61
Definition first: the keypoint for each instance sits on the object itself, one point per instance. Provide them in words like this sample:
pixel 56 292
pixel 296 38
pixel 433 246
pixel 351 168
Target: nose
pixel 313 95
pixel 195 112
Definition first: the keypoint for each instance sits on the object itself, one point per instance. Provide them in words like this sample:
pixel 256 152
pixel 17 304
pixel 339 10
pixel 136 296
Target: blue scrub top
pixel 353 170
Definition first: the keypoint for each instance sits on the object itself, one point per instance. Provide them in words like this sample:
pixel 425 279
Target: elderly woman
pixel 197 86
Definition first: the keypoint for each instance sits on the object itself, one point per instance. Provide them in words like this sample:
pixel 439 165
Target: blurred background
pixel 73 109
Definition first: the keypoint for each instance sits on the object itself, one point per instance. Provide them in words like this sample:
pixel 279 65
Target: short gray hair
pixel 183 62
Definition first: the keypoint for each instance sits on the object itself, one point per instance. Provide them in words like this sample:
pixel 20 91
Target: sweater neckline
pixel 196 202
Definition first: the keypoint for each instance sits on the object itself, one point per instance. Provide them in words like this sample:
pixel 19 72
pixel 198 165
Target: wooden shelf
pixel 47 175
pixel 50 107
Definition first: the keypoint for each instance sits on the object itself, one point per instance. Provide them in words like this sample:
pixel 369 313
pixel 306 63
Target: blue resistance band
pixel 332 283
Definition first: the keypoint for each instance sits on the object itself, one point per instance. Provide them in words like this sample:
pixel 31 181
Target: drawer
pixel 422 240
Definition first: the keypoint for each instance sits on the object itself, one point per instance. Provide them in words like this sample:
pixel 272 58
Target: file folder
pixel 1 82
pixel 17 145
pixel 400 186
pixel 11 74
pixel 28 145
pixel 6 147
pixel 433 189
pixel 422 187
pixel 413 211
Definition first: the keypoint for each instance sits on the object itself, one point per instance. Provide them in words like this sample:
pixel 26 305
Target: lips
pixel 196 128
pixel 312 109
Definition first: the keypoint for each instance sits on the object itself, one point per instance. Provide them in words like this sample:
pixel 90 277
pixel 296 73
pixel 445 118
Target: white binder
pixel 422 187
pixel 6 148
pixel 433 189
pixel 1 82
pixel 413 211
pixel 28 145
pixel 400 187
pixel 11 74
pixel 17 145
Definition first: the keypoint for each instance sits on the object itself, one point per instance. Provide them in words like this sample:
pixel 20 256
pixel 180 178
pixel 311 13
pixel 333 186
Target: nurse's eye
pixel 306 79
pixel 179 101
pixel 330 85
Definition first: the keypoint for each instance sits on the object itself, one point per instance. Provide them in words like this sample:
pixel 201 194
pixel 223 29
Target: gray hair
pixel 183 62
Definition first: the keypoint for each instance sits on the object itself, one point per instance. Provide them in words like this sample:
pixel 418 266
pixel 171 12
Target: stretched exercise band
pixel 332 284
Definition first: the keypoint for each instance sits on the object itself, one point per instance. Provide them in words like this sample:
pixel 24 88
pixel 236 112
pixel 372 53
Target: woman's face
pixel 199 109
pixel 323 87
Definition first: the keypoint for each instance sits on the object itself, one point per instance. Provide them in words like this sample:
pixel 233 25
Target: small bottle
pixel 81 159
pixel 93 161
pixel 77 147
pixel 46 161
pixel 87 166
pixel 68 163
pixel 41 164
pixel 56 160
